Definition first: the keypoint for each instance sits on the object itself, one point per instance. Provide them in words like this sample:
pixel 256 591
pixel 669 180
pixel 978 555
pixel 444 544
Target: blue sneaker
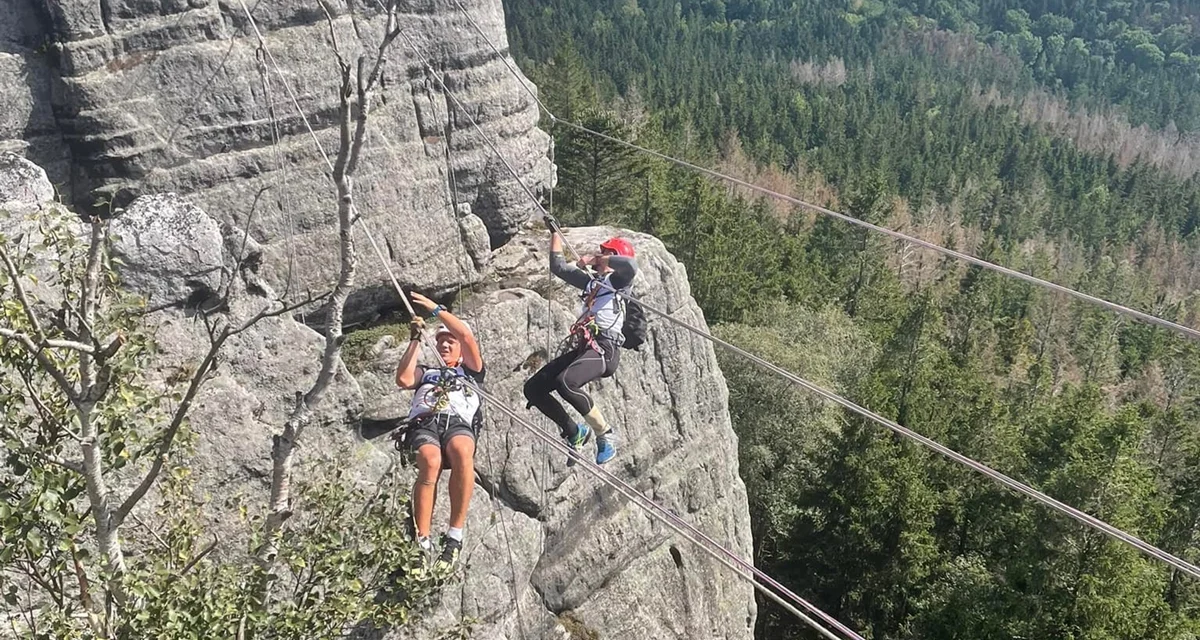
pixel 582 435
pixel 605 447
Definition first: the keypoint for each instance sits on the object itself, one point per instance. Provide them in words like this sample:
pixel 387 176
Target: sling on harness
pixel 586 330
pixel 436 406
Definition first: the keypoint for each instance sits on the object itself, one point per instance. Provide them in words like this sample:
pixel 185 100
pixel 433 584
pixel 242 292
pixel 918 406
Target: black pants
pixel 566 374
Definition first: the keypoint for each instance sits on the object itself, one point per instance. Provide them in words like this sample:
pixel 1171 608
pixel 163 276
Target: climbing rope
pixel 716 550
pixel 452 186
pixel 979 262
pixel 1019 487
pixel 512 565
pixel 545 471
pixel 284 199
pixel 681 527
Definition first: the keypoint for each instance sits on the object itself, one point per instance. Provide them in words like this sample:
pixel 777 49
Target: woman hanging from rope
pixel 443 422
pixel 595 342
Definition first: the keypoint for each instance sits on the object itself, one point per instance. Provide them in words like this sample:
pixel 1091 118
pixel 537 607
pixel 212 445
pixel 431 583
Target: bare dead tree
pixel 86 381
pixel 359 82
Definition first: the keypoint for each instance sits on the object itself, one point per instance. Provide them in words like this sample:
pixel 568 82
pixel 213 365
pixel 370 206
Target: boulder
pixel 23 185
pixel 170 251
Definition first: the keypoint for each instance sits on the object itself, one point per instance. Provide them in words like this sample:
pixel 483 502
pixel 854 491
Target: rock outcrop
pixel 175 254
pixel 172 99
pixel 172 251
pixel 549 548
pixel 27 121
pixel 581 554
pixel 118 97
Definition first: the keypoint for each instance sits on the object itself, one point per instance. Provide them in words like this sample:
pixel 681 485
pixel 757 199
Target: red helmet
pixel 619 246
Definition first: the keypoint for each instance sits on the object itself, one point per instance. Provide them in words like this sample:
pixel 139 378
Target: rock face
pixel 23 185
pixel 581 554
pixel 123 97
pixel 172 250
pixel 27 120
pixel 119 97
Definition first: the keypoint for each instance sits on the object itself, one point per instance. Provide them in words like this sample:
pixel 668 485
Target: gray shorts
pixel 438 430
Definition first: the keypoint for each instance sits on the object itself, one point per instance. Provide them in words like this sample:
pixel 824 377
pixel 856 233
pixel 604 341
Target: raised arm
pixel 624 269
pixel 565 271
pixel 472 358
pixel 406 371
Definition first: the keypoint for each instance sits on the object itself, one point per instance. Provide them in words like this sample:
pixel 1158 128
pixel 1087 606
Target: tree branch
pixel 48 365
pixel 44 411
pixel 241 256
pixel 46 342
pixel 29 567
pixel 164 448
pixel 285 309
pixel 152 532
pixel 344 116
pixel 59 461
pixel 15 277
pixel 197 380
pixel 200 556
pixel 365 86
pixel 337 50
pixel 390 32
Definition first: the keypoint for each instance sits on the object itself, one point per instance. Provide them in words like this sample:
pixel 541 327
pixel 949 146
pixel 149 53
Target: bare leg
pixel 461 450
pixel 429 469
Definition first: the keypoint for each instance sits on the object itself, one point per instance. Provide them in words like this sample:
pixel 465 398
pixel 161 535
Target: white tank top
pixel 452 395
pixel 606 307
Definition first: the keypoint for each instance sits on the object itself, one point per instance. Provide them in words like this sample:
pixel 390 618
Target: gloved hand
pixel 423 302
pixel 415 328
pixel 550 222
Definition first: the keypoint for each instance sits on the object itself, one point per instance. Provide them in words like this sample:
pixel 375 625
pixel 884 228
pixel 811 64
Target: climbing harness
pixel 583 332
pixel 443 382
pixel 586 330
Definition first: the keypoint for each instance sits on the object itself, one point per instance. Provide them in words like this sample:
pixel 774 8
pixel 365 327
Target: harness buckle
pixel 584 330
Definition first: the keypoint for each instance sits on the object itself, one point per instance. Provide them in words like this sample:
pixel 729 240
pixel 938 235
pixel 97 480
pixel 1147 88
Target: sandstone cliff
pixel 167 100
pixel 120 97
pixel 577 546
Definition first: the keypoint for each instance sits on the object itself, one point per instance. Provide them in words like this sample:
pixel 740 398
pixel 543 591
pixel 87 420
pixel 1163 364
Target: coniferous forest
pixel 1056 138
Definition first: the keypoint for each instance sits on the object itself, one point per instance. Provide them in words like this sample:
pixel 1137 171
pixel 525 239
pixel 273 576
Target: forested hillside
pixel 915 115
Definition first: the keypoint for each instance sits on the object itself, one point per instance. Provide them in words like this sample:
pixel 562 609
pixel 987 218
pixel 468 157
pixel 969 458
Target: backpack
pixel 634 328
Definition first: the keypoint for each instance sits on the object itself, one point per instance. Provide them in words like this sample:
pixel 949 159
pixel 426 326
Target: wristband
pixel 436 310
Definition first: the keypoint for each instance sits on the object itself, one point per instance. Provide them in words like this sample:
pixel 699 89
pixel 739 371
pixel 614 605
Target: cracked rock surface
pixel 162 108
pixel 117 98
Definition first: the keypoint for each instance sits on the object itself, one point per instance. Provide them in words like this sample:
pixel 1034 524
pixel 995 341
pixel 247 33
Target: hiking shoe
pixel 605 447
pixel 425 544
pixel 582 435
pixel 450 550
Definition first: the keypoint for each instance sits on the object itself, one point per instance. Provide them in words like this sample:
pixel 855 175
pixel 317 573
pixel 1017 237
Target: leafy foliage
pixel 345 561
pixel 880 102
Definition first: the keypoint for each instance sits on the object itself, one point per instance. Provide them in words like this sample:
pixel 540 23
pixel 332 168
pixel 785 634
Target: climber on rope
pixel 443 423
pixel 593 346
